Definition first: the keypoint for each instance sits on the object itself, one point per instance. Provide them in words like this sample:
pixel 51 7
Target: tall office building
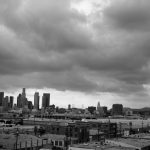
pixel 117 109
pixel 69 107
pixel 30 106
pixel 11 101
pixel 19 104
pixel 24 92
pixel 22 101
pixel 100 110
pixel 5 102
pixel 1 98
pixel 91 109
pixel 105 110
pixel 45 100
pixel 23 98
pixel 36 100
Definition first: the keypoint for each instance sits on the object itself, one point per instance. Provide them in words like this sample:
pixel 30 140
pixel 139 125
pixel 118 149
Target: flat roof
pixel 95 132
pixel 140 135
pixel 8 140
pixel 56 137
pixel 99 146
pixel 133 142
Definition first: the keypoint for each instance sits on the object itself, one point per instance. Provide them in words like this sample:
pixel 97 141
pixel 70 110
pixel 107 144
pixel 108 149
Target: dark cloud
pixel 48 26
pixel 49 44
pixel 131 15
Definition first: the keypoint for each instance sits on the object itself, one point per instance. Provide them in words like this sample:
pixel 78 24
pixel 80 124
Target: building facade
pixel 24 100
pixel 117 109
pixel 36 100
pixel 45 100
pixel 11 101
pixel 5 103
pixel 19 104
pixel 1 98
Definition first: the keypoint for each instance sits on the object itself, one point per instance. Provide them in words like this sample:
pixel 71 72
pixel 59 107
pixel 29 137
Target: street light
pixel 17 134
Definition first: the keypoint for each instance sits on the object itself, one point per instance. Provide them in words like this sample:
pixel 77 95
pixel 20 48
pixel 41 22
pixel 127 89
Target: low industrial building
pixel 98 146
pixel 136 143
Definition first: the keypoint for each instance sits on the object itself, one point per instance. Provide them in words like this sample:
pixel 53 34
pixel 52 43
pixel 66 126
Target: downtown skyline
pixel 79 51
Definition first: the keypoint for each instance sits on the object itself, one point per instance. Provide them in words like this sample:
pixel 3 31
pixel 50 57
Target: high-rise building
pixel 19 103
pixel 91 109
pixel 105 110
pixel 5 102
pixel 98 105
pixel 100 110
pixel 69 107
pixel 24 92
pixel 30 106
pixel 117 109
pixel 36 100
pixel 1 98
pixel 11 101
pixel 45 100
pixel 23 98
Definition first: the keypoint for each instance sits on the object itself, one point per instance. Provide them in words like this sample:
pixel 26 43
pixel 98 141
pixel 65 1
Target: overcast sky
pixel 81 51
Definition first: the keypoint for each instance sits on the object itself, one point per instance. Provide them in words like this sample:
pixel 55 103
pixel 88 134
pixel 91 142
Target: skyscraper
pixel 11 101
pixel 117 109
pixel 69 107
pixel 30 106
pixel 19 104
pixel 36 100
pixel 91 109
pixel 5 102
pixel 24 92
pixel 23 98
pixel 98 105
pixel 46 100
pixel 1 98
pixel 100 110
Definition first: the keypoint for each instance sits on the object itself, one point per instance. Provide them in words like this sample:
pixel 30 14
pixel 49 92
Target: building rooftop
pixel 7 141
pixel 95 132
pixel 140 136
pixel 99 146
pixel 56 137
pixel 131 142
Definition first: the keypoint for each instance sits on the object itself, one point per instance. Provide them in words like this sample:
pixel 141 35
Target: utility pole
pixel 120 129
pixel 70 133
pixel 142 125
pixel 17 134
pixel 98 130
pixel 109 128
pixel 130 124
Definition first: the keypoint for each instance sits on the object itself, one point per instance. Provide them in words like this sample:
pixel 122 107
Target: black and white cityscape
pixel 74 75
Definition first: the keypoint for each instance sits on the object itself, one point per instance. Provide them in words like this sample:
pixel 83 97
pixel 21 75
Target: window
pixel 56 143
pixel 60 143
pixel 57 130
pixel 76 129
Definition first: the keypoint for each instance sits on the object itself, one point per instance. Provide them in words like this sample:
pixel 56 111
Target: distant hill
pixel 143 109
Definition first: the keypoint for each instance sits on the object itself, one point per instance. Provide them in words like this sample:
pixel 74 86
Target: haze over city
pixel 79 51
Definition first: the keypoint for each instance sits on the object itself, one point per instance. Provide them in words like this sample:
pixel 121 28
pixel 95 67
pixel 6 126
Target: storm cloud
pixel 51 44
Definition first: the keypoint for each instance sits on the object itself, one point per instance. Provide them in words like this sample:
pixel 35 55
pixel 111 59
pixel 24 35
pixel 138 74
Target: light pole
pixel 142 125
pixel 17 134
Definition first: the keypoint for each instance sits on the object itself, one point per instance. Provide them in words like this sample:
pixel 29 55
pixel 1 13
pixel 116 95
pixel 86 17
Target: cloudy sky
pixel 81 51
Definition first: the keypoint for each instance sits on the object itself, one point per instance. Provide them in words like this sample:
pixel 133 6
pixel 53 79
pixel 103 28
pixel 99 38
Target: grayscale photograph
pixel 74 74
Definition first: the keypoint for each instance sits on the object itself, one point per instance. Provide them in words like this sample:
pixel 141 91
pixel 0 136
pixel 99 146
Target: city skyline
pixel 30 96
pixel 80 51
